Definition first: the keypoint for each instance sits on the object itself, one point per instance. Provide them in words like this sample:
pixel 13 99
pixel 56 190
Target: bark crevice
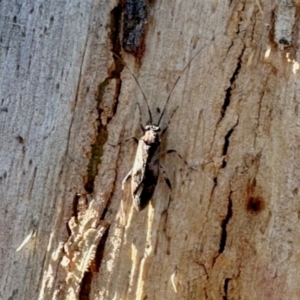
pixel 232 80
pixel 224 226
pixel 226 283
pixel 226 144
pixel 86 283
pixel 114 73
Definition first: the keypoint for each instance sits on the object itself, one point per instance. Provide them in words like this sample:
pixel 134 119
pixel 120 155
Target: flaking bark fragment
pixel 80 249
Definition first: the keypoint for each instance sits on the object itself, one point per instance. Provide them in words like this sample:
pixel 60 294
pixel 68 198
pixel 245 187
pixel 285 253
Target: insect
pixel 145 171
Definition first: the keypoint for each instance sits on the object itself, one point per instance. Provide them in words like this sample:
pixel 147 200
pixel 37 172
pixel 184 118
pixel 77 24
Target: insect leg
pixel 166 178
pixel 126 178
pixel 185 162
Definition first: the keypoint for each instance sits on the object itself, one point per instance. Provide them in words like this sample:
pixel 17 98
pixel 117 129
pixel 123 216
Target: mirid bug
pixel 145 171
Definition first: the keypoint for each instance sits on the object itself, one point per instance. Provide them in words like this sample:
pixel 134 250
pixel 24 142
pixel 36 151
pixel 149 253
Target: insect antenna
pixel 176 84
pixel 132 74
pixel 142 127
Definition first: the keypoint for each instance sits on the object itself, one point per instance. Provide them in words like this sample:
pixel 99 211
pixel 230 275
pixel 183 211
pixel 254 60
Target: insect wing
pixel 139 168
pixel 145 173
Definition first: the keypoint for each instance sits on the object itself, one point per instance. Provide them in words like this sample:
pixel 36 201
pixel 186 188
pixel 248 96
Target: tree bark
pixel 228 226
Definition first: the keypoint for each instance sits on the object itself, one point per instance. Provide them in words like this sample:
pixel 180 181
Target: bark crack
pixel 215 184
pixel 86 213
pixel 226 282
pixel 227 99
pixel 85 286
pixel 232 80
pixel 114 73
pixel 226 144
pixel 224 225
pixel 106 209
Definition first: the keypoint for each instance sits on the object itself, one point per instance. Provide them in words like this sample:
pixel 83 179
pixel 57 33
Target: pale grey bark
pixel 227 230
pixel 47 124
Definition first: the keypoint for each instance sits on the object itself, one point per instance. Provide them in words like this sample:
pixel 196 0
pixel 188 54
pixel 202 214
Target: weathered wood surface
pixel 229 230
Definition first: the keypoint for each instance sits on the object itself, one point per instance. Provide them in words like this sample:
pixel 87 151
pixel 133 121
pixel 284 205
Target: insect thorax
pixel 152 134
